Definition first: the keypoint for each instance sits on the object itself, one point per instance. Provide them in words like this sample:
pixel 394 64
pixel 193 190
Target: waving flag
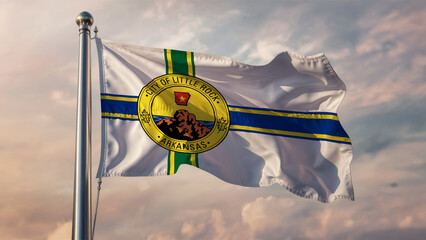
pixel 247 125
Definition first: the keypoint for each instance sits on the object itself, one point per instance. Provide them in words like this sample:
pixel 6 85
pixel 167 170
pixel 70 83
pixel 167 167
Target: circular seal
pixel 183 113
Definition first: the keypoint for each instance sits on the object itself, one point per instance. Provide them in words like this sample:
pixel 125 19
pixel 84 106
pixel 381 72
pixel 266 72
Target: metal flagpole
pixel 82 212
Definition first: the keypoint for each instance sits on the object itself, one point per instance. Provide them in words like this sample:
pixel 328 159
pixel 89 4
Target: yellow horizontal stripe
pixel 283 114
pixel 117 98
pixel 295 134
pixel 119 115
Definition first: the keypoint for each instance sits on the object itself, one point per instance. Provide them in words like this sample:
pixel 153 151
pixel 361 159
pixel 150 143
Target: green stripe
pixel 168 164
pixel 180 63
pixel 180 158
pixel 193 65
pixel 167 63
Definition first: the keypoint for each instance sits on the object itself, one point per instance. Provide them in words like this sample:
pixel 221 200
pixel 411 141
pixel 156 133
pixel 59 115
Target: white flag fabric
pixel 247 125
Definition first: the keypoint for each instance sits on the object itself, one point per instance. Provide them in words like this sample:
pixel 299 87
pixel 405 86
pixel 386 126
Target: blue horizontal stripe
pixel 276 110
pixel 293 124
pixel 317 126
pixel 123 107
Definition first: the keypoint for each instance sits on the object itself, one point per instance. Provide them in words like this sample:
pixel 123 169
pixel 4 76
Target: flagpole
pixel 82 212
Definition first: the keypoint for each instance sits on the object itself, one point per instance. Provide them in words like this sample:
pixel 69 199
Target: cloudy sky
pixel 378 49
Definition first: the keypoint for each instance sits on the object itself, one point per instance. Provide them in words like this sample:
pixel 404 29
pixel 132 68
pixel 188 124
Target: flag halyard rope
pixel 97 204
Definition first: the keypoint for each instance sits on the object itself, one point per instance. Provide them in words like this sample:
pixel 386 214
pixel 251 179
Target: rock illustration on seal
pixel 183 126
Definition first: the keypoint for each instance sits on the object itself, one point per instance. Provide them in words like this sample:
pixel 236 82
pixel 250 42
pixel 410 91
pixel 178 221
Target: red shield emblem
pixel 182 98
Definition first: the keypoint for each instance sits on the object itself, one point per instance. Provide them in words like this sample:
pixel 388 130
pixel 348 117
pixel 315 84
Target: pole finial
pixel 84 18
